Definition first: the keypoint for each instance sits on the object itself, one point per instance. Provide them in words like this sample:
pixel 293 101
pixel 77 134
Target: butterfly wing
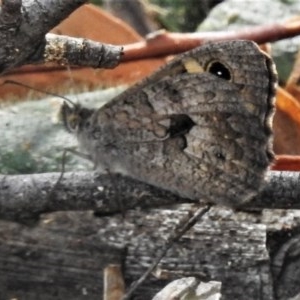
pixel 199 126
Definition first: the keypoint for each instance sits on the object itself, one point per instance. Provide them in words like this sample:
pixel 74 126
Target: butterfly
pixel 199 127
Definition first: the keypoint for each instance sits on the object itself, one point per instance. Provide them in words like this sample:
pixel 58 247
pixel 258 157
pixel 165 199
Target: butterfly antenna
pixel 188 224
pixel 9 81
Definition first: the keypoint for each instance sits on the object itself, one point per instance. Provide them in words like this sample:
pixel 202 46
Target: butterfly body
pixel 199 127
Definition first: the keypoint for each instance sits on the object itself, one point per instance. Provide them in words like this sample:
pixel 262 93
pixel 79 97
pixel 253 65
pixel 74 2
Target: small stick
pixel 173 239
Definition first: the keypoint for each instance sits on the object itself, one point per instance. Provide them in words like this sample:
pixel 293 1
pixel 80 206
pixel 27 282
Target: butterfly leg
pixel 64 155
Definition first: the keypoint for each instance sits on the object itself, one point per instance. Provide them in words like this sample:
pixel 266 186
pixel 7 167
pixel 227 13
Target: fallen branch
pixel 25 197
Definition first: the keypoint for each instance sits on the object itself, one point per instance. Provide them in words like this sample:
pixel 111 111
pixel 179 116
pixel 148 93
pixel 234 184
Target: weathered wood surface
pixel 64 255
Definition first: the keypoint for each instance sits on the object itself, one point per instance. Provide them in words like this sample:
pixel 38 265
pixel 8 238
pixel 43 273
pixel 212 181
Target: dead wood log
pixel 64 256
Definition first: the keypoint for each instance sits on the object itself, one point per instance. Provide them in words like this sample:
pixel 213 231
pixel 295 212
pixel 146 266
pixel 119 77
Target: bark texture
pixel 23 28
pixel 25 197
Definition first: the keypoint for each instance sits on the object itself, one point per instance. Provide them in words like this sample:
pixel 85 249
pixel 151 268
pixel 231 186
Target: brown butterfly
pixel 200 126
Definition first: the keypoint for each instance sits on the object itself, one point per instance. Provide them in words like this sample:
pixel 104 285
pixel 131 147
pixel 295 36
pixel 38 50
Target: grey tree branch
pixel 66 50
pixel 25 197
pixel 23 28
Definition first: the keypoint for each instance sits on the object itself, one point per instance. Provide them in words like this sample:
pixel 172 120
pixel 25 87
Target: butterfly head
pixel 75 117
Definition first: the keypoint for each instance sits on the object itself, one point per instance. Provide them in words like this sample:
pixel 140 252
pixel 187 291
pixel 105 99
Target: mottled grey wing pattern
pixel 199 127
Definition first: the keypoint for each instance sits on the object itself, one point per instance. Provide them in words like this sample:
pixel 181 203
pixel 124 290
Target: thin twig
pixel 200 212
pixel 166 43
